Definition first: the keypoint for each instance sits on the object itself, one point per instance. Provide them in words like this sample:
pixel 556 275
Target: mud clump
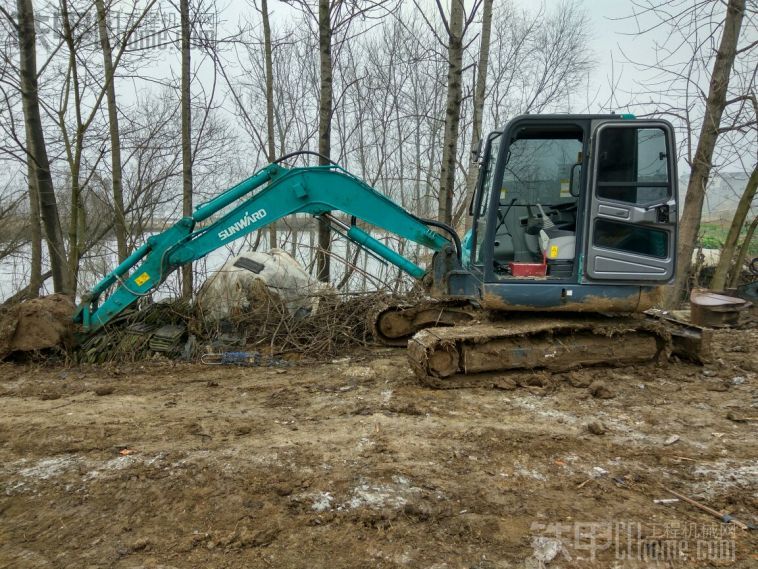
pixel 36 324
pixel 600 390
pixel 596 428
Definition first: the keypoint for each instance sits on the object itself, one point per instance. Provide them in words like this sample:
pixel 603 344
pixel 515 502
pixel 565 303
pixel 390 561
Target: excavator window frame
pixel 486 266
pixel 479 206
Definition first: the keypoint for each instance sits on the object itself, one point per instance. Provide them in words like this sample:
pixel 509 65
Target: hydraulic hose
pixel 303 153
pixel 448 229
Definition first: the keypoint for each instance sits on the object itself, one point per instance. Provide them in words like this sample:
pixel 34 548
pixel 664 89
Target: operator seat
pixel 555 243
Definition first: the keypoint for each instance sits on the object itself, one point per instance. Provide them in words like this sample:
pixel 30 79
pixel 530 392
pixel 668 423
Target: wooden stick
pixel 726 518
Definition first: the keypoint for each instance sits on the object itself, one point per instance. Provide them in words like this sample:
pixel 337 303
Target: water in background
pixel 369 273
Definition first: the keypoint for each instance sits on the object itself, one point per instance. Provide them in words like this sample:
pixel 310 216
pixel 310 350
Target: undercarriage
pixel 457 344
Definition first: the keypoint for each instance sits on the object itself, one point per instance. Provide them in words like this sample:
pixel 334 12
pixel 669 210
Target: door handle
pixel 613 211
pixel 663 212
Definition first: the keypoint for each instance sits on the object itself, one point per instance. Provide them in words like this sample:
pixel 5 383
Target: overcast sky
pixel 613 41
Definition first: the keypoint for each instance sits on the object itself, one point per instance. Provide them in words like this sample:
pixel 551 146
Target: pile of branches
pixel 339 322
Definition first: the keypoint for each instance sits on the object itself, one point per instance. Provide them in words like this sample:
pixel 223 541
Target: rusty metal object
pixel 395 324
pixel 715 309
pixel 689 341
pixel 465 356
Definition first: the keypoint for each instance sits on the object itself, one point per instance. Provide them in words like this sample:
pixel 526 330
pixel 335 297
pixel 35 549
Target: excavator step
pixel 474 355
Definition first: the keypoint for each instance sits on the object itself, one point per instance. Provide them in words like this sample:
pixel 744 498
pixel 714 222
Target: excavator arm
pixel 316 190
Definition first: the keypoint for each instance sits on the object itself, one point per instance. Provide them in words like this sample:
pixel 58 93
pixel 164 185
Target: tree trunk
pixel 742 255
pixel 186 135
pixel 476 133
pixel 269 102
pixel 35 229
pixel 36 144
pixel 119 220
pixel 689 225
pixel 730 246
pixel 324 129
pixel 74 151
pixel 452 112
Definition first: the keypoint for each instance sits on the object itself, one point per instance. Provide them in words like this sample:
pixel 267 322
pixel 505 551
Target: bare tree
pixel 269 100
pixel 186 106
pixel 12 227
pixel 478 109
pixel 36 147
pixel 692 54
pixel 334 21
pixel 119 222
pixel 84 88
pixel 35 230
pixel 324 128
pixel 742 255
pixel 455 27
pixel 719 278
pixel 716 102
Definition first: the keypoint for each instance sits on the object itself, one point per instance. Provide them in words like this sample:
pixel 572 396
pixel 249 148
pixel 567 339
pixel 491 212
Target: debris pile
pixel 179 329
pixel 339 323
pixel 37 324
pixel 133 337
pixel 268 301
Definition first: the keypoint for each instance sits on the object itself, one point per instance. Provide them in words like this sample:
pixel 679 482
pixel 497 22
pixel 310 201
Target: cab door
pixel 632 229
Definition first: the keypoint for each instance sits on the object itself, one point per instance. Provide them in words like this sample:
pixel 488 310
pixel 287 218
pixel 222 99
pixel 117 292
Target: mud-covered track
pixel 456 357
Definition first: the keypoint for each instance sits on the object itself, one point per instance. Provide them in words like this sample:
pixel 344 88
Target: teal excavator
pixel 574 229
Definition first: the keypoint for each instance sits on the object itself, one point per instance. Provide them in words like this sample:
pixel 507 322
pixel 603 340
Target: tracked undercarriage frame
pixel 457 344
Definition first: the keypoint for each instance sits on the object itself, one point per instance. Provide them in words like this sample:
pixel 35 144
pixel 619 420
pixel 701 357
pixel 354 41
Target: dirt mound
pixel 36 324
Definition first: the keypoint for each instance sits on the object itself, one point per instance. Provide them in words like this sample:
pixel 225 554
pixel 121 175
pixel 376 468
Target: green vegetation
pixel 713 235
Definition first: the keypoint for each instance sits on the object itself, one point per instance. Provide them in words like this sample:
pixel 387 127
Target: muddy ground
pixel 352 464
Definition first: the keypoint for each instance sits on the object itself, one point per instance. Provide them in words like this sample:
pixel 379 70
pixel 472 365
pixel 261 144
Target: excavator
pixel 573 236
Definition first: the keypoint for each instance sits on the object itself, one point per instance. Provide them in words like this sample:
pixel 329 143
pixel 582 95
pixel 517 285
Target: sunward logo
pixel 247 220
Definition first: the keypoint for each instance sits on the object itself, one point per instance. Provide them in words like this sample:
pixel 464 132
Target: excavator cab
pixel 571 210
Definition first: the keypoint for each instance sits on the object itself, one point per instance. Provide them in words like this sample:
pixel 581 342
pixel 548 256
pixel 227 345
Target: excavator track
pixel 484 354
pixel 395 324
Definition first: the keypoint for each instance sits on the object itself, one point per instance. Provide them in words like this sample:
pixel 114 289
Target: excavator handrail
pixel 316 190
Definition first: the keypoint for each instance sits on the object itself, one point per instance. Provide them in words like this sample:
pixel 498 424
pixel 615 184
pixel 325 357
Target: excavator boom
pixel 318 191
